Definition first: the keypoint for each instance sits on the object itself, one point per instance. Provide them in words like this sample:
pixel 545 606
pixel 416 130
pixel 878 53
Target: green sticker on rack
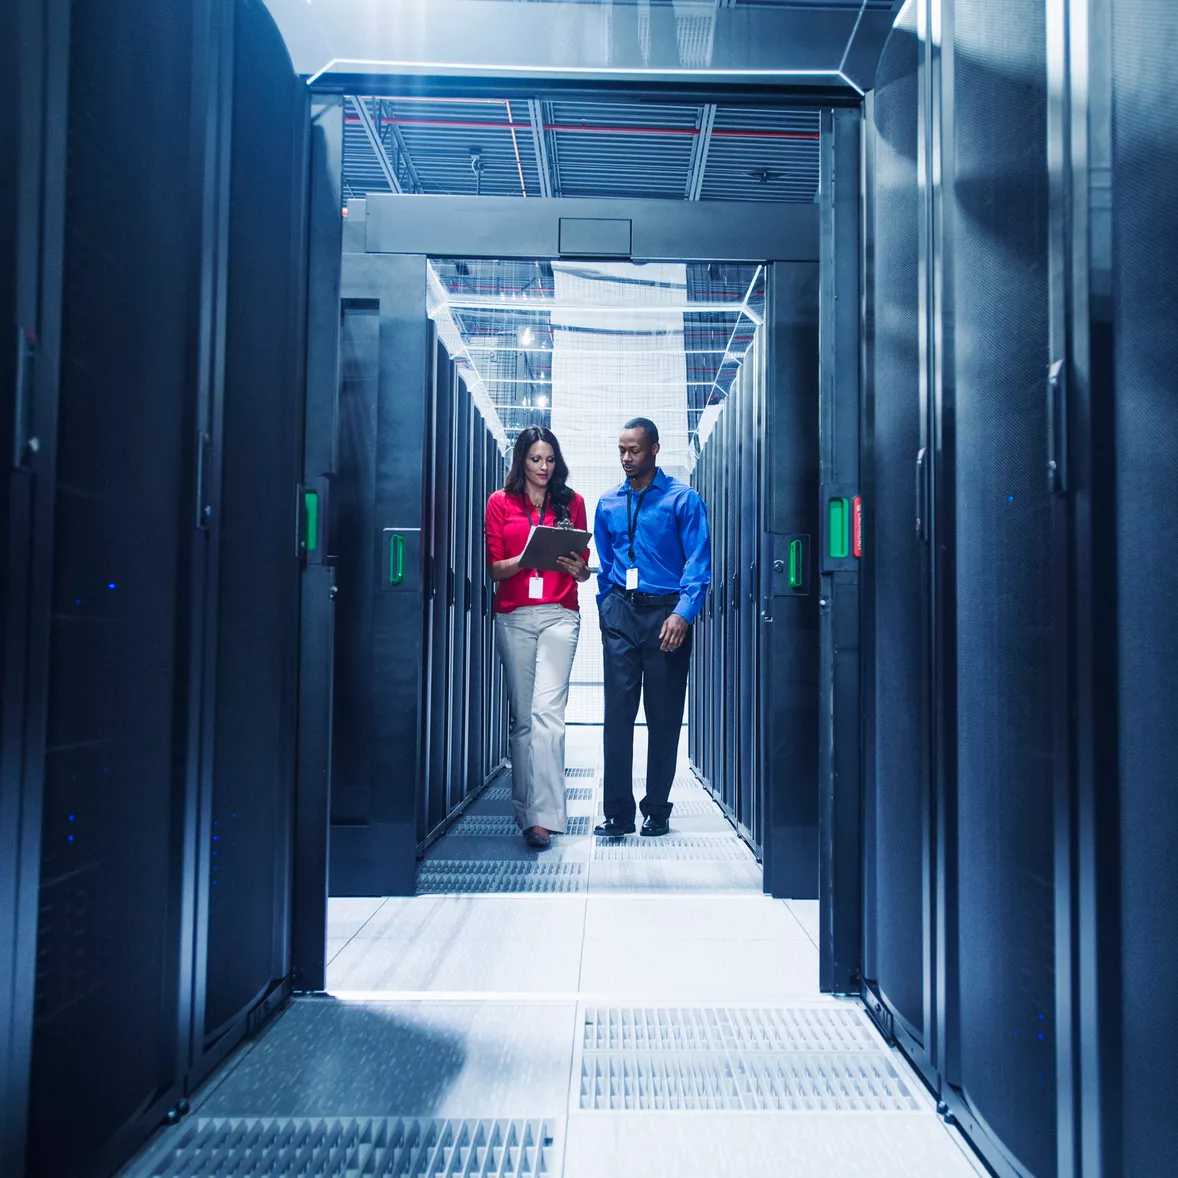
pixel 840 528
pixel 311 508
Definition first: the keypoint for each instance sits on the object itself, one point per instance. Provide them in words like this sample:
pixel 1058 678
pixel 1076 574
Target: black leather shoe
pixel 613 828
pixel 653 827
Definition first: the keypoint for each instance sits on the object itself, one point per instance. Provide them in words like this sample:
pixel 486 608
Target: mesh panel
pixel 1004 577
pixel 582 348
pixel 898 587
pixel 1145 46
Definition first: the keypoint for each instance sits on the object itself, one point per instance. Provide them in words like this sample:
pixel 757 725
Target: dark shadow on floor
pixel 325 1058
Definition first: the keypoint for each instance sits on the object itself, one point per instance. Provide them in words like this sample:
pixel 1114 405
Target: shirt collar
pixel 660 481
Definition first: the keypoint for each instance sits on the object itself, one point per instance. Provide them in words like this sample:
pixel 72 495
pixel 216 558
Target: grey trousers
pixel 537 644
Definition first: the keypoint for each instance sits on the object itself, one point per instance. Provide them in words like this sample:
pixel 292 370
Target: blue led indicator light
pixel 71 817
pixel 1009 498
pixel 1041 1036
pixel 112 585
pixel 70 838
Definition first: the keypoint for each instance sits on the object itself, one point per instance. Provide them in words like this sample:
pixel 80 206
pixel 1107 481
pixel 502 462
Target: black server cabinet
pixel 1124 364
pixel 34 77
pixel 381 575
pixel 435 806
pixel 1002 1056
pixel 163 522
pixel 108 1040
pixel 243 918
pixel 897 953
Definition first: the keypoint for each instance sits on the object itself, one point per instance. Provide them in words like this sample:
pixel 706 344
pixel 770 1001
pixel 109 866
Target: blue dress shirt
pixel 672 548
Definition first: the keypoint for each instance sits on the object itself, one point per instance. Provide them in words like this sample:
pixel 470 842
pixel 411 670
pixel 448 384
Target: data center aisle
pixel 592 1011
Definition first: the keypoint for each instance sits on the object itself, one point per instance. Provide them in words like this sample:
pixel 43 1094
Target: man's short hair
pixel 647 426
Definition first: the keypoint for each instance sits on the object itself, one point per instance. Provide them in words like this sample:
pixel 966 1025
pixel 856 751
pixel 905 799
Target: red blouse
pixel 509 525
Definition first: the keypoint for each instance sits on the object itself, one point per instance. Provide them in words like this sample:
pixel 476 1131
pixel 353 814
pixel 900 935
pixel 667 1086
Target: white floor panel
pixel 691 918
pixel 661 969
pixel 806 914
pixel 762 1145
pixel 346 915
pixel 439 920
pixel 476 1006
pixel 537 960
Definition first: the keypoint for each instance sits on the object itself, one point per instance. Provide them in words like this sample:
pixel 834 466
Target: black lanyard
pixel 632 520
pixel 528 505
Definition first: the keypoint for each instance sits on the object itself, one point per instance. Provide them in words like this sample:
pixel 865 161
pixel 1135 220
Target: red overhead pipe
pixel 595 129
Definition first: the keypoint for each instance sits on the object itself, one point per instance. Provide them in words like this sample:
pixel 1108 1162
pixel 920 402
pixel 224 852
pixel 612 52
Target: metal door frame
pixel 385 228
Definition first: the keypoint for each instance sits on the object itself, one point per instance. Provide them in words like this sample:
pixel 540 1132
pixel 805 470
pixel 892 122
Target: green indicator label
pixel 795 564
pixel 396 558
pixel 840 528
pixel 311 510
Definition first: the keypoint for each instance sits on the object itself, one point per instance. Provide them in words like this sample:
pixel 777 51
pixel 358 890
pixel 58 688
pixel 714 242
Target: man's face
pixel 637 454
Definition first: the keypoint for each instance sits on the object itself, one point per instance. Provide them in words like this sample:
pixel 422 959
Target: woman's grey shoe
pixel 536 837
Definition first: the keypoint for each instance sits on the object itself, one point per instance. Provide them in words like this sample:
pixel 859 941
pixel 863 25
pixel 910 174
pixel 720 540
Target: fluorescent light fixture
pixel 526 337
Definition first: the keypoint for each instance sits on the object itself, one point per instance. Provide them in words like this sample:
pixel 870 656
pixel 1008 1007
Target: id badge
pixel 535 588
pixel 632 579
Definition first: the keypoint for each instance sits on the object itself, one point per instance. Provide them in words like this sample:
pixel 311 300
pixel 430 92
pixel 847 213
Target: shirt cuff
pixel 685 609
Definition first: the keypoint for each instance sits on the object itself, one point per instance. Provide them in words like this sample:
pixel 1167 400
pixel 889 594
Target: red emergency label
pixel 857 526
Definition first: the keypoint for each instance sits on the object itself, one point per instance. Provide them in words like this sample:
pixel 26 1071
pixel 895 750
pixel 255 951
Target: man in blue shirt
pixel 656 565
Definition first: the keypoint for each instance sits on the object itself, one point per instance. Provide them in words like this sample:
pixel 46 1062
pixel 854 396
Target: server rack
pixel 465 746
pixel 409 491
pixel 726 687
pixel 1020 719
pixel 156 756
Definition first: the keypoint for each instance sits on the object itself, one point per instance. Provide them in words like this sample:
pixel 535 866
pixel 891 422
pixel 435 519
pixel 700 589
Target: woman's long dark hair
pixel 558 487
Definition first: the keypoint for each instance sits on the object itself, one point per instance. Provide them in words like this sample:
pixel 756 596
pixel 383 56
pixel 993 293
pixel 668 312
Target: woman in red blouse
pixel 537 622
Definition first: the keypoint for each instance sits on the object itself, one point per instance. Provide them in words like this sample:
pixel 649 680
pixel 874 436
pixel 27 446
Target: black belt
pixel 648 599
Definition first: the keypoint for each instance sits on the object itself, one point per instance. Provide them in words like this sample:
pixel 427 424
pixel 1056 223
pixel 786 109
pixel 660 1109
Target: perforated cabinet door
pixel 1005 599
pixel 894 551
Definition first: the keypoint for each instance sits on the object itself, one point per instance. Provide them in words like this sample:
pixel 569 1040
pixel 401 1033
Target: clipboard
pixel 546 544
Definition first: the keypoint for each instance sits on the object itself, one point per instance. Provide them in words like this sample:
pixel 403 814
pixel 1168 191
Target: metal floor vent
pixel 580 772
pixel 728 1081
pixel 820 1029
pixel 372 1147
pixel 701 808
pixel 714 848
pixel 502 793
pixel 503 824
pixel 492 875
pixel 802 1059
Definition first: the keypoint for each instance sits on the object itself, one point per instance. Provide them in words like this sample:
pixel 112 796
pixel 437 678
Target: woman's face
pixel 539 464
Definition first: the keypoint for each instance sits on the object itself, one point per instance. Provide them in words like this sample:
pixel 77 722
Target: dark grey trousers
pixel 635 667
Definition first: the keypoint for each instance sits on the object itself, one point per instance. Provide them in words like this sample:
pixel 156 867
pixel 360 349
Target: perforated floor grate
pixel 716 848
pixel 724 1080
pixel 489 825
pixel 580 772
pixel 574 793
pixel 494 875
pixel 768 1059
pixel 821 1029
pixel 703 807
pixel 299 1147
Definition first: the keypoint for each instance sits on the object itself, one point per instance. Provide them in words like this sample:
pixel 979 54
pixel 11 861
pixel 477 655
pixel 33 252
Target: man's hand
pixel 673 633
pixel 574 566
